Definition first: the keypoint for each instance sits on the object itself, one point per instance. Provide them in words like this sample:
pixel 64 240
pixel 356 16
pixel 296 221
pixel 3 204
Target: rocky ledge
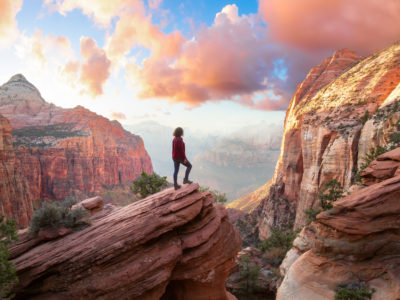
pixel 171 245
pixel 355 242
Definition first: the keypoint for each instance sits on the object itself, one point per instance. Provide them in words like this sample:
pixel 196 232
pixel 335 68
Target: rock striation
pixel 171 245
pixel 64 152
pixel 345 106
pixel 15 199
pixel 356 241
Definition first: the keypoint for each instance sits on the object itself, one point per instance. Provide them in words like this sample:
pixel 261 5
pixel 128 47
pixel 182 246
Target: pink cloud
pixel 361 25
pixel 231 58
pixel 95 67
pixel 136 29
pixel 101 11
pixel 118 115
pixel 8 24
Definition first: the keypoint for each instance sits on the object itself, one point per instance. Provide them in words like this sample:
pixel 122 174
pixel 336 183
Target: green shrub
pixel 369 157
pixel 148 184
pixel 353 291
pixel 218 196
pixel 249 276
pixel 331 192
pixel 56 215
pixel 311 214
pixel 279 242
pixel 8 234
pixel 365 117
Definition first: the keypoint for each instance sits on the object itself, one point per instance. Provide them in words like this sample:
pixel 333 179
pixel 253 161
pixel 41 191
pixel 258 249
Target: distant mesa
pixel 57 152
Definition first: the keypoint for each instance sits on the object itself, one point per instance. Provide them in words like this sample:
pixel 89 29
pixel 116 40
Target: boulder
pixel 171 245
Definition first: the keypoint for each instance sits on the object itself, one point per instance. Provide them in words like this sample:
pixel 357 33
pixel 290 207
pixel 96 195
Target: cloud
pixel 101 11
pixel 361 25
pixel 95 67
pixel 227 60
pixel 118 115
pixel 136 29
pixel 8 24
pixel 38 49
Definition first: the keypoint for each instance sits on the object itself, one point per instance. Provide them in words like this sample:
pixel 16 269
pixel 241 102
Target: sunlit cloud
pixel 8 24
pixel 361 25
pixel 228 59
pixel 95 68
pixel 118 115
pixel 101 11
pixel 38 49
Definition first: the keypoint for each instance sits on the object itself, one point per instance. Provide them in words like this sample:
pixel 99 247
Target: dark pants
pixel 177 163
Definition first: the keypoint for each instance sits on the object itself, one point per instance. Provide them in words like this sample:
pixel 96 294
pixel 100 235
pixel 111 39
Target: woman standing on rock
pixel 179 157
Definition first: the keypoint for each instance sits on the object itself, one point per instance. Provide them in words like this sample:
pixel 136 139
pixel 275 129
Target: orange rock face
pixel 171 245
pixel 64 152
pixel 326 134
pixel 15 199
pixel 357 240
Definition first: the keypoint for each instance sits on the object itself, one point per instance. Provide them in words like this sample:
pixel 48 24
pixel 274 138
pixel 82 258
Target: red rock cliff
pixel 68 151
pixel 357 241
pixel 15 199
pixel 325 137
pixel 171 245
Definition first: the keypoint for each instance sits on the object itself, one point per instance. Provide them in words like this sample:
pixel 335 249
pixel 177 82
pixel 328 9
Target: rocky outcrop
pixel 385 166
pixel 15 199
pixel 171 245
pixel 64 152
pixel 328 132
pixel 356 241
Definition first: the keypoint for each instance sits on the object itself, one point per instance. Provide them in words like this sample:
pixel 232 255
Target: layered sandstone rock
pixel 383 167
pixel 63 152
pixel 171 245
pixel 15 199
pixel 326 136
pixel 356 241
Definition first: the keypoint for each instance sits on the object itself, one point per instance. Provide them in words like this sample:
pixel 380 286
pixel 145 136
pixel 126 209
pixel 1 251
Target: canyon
pixel 345 107
pixel 355 243
pixel 61 152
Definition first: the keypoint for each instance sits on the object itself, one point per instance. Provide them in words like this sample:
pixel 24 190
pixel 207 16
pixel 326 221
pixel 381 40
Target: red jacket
pixel 178 149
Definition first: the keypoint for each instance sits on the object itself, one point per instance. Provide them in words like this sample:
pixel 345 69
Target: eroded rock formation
pixel 356 241
pixel 328 132
pixel 64 152
pixel 171 245
pixel 15 199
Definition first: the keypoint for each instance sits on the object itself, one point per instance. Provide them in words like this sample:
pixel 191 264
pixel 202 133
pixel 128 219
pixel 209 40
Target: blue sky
pixel 197 64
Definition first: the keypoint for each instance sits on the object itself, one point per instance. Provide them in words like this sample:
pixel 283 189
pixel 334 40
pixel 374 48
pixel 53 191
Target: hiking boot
pixel 187 181
pixel 177 186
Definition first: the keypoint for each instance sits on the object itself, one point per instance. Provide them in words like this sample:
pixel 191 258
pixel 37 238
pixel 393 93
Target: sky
pixel 205 65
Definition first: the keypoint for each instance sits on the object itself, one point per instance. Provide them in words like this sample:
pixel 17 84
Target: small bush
pixel 279 242
pixel 249 275
pixel 353 291
pixel 365 117
pixel 148 184
pixel 311 214
pixel 369 157
pixel 331 192
pixel 219 197
pixel 8 234
pixel 56 215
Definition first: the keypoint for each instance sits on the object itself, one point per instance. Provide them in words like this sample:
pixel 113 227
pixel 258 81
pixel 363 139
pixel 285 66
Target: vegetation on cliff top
pixel 331 191
pixel 148 184
pixel 56 215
